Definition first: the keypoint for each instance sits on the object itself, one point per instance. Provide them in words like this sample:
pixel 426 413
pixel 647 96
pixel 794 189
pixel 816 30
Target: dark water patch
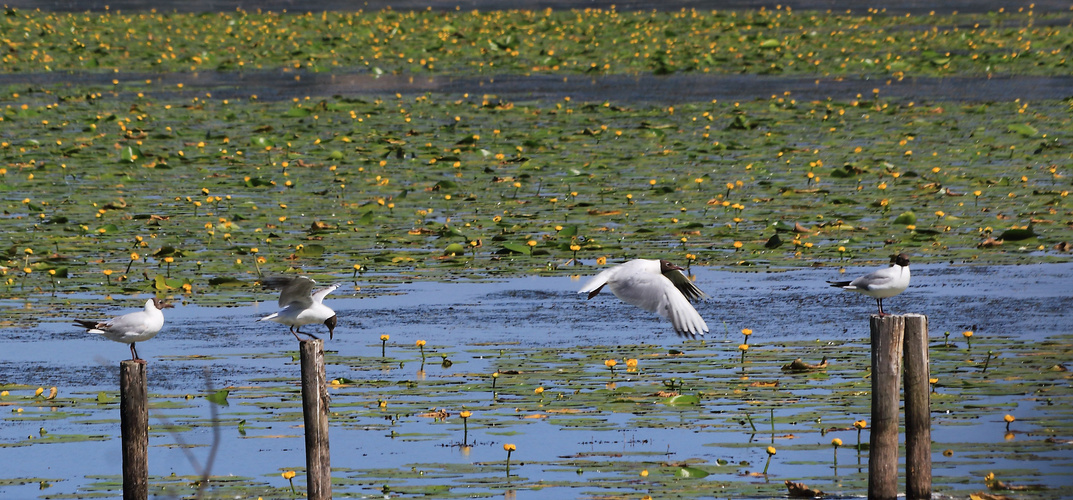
pixel 677 88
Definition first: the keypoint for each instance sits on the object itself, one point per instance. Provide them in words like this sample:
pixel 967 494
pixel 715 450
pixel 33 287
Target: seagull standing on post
pixel 299 306
pixel 130 328
pixel 882 283
pixel 655 286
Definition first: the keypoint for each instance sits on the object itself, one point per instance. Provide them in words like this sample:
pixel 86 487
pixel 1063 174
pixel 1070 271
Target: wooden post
pixel 887 334
pixel 315 408
pixel 134 426
pixel 917 409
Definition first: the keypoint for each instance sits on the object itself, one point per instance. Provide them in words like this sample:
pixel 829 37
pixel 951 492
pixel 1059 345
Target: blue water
pixel 1030 300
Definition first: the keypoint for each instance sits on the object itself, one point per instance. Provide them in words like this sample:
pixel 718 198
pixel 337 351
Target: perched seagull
pixel 299 306
pixel 881 283
pixel 655 286
pixel 130 328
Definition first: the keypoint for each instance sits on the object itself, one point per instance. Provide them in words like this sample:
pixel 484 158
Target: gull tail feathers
pixel 87 324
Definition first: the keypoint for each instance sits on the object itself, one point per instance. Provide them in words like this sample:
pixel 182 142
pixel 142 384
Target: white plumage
pixel 300 306
pixel 655 286
pixel 130 328
pixel 882 283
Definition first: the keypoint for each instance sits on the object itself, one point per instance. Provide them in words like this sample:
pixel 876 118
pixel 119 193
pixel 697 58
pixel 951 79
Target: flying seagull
pixel 655 286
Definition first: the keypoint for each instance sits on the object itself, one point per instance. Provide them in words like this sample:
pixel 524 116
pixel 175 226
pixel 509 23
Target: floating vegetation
pixel 752 429
pixel 778 41
pixel 139 184
pixel 223 191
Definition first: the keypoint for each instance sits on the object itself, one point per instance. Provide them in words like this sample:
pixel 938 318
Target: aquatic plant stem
pixel 750 419
pixel 509 449
pixel 773 425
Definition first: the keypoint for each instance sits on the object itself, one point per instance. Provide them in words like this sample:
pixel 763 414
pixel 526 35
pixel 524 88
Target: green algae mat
pixel 143 185
pixel 119 191
pixel 778 41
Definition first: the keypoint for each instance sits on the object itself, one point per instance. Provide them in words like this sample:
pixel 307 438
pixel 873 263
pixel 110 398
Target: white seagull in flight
pixel 655 286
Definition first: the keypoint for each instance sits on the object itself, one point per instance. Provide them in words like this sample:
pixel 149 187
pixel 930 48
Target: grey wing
pixel 133 322
pixel 293 290
pixel 873 279
pixel 685 285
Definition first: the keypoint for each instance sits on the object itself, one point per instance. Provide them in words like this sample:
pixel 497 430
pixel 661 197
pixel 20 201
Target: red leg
pixel 299 330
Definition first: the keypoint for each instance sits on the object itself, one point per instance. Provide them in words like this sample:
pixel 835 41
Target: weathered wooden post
pixel 315 408
pixel 887 333
pixel 917 409
pixel 134 427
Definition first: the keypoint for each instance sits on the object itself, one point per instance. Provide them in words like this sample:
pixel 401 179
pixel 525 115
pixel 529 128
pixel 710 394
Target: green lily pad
pixel 682 399
pixel 520 248
pixel 1018 234
pixel 1023 129
pixel 906 218
pixel 311 250
pixel 690 473
pixel 219 397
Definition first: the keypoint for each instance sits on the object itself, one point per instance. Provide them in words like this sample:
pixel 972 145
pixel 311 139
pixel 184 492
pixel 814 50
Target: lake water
pixel 484 326
pixel 590 434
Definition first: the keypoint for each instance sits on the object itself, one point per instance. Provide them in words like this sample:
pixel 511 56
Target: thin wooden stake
pixel 134 427
pixel 917 409
pixel 887 333
pixel 315 408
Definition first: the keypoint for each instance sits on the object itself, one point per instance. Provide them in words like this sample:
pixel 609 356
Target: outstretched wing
pixel 292 290
pixel 658 294
pixel 685 285
pixel 318 297
pixel 685 319
pixel 594 285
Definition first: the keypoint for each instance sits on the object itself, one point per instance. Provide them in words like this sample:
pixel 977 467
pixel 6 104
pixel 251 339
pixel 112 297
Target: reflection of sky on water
pixel 1029 301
